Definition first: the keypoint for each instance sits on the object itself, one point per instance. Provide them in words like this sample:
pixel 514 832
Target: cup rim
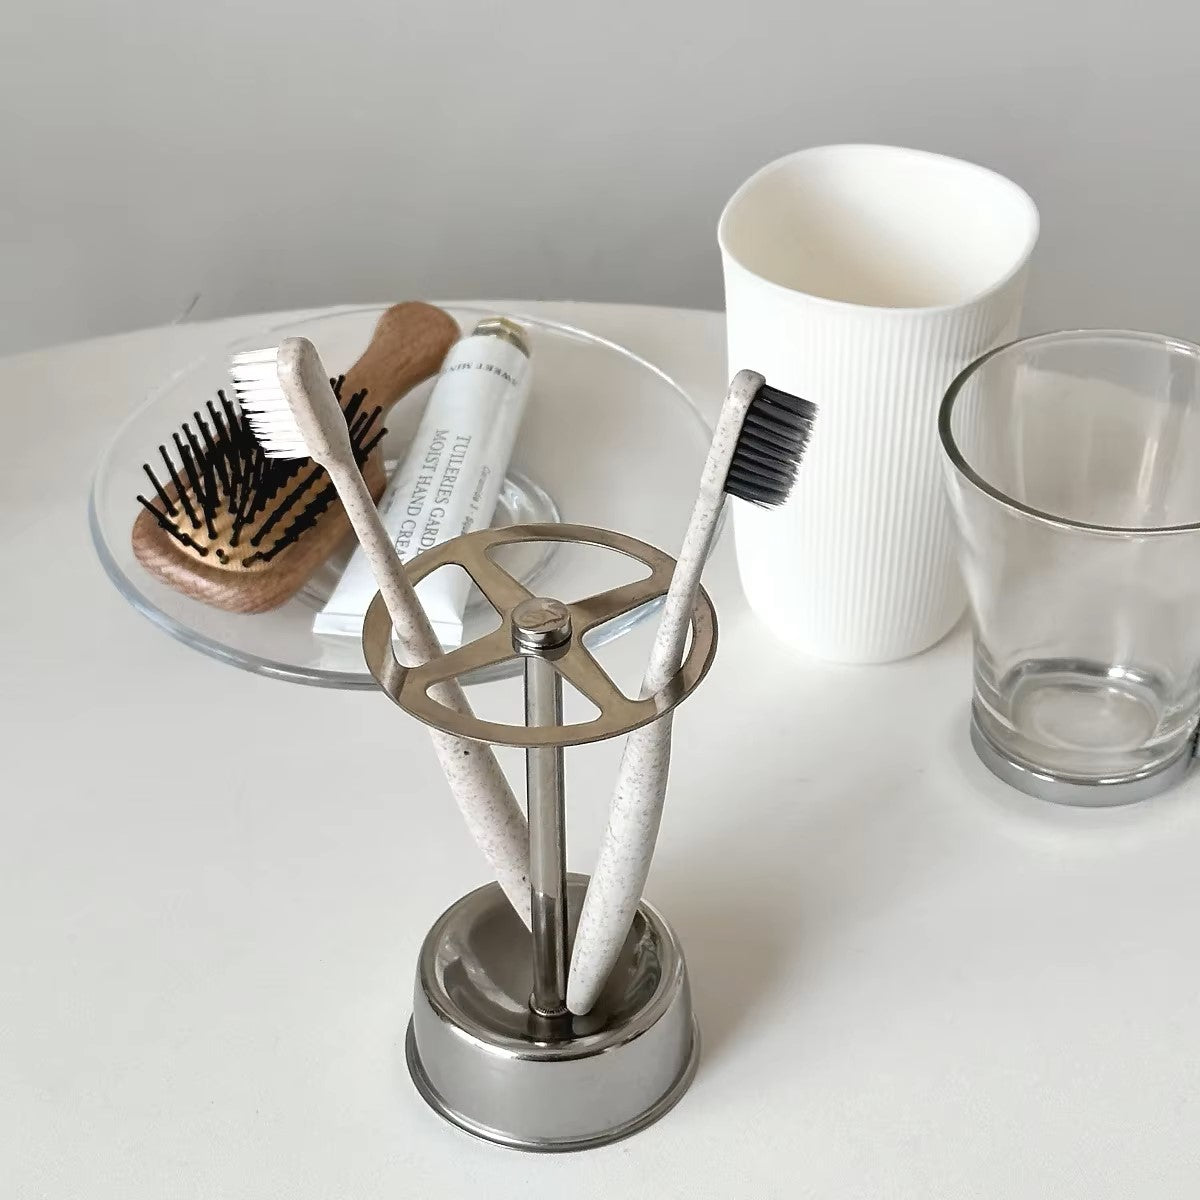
pixel 1022 259
pixel 956 458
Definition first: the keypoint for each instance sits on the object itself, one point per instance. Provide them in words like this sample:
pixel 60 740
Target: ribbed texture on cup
pixel 858 565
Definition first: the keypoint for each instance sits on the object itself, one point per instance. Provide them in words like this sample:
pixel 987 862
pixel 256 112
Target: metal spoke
pixel 616 602
pixel 487 651
pixel 586 675
pixel 499 588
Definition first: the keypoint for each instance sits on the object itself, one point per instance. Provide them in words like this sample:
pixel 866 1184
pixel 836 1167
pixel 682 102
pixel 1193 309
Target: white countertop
pixel 912 981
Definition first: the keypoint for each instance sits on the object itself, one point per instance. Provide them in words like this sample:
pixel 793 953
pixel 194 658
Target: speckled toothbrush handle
pixel 635 814
pixel 624 861
pixel 487 803
pixel 619 879
pixel 484 797
pixel 623 864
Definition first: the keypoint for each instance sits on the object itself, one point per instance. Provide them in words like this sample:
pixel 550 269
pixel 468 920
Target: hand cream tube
pixel 450 479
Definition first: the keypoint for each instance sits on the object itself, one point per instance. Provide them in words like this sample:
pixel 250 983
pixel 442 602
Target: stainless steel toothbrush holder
pixel 491 1045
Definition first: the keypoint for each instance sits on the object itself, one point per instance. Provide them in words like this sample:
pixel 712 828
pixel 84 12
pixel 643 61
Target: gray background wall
pixel 262 154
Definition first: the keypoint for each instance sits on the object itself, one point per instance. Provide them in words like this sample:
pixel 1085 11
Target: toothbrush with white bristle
pixel 285 394
pixel 760 438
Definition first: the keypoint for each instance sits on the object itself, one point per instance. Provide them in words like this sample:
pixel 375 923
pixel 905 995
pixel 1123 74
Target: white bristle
pixel 269 354
pixel 256 386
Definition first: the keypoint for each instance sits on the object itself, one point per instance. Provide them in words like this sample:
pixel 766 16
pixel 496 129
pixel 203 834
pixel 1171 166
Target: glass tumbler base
pixel 1090 793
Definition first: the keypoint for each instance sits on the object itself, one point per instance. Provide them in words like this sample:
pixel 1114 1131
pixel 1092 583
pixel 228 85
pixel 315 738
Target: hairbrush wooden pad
pixel 206 556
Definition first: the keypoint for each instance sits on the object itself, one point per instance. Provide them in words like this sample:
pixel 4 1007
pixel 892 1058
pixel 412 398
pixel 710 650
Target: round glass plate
pixel 608 439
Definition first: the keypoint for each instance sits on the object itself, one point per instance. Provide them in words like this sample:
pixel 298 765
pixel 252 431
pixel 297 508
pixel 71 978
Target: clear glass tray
pixel 608 439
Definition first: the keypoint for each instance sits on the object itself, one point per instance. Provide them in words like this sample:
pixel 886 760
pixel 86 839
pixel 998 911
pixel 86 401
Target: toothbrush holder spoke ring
pixel 618 714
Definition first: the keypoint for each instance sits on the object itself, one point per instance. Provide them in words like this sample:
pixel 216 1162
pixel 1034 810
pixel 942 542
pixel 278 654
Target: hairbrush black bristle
pixel 226 502
pixel 770 446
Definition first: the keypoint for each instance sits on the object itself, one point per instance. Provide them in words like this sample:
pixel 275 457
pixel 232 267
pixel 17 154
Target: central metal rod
pixel 541 631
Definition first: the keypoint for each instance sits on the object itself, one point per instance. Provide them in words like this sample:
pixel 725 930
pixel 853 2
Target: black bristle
pixel 293 498
pixel 261 482
pixel 359 424
pixel 194 473
pixel 219 471
pixel 212 454
pixel 182 538
pixel 353 406
pixel 751 455
pixel 362 455
pixel 163 498
pixel 773 426
pixel 306 519
pixel 175 481
pixel 774 436
pixel 206 494
pixel 217 419
pixel 753 438
pixel 230 410
pixel 239 503
pixel 238 500
pixel 184 492
pixel 806 410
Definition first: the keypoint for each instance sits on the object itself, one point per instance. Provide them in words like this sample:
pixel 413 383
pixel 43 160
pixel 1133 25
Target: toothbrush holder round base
pixel 483 1060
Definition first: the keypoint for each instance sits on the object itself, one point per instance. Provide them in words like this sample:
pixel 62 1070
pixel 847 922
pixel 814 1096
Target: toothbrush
pixel 285 394
pixel 760 438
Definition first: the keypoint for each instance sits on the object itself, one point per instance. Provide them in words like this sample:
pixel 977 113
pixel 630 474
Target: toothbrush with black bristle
pixel 760 438
pixel 285 395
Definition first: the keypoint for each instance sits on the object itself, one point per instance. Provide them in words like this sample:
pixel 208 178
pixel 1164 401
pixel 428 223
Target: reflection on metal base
pixel 435 1101
pixel 1100 793
pixel 482 1059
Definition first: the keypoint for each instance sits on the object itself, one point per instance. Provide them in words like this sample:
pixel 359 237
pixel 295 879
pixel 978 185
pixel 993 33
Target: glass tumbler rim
pixel 957 459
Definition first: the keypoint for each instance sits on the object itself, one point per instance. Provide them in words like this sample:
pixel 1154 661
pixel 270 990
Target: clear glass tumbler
pixel 1073 467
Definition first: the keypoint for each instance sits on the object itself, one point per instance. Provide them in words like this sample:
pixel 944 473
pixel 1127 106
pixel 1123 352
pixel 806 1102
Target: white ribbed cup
pixel 864 278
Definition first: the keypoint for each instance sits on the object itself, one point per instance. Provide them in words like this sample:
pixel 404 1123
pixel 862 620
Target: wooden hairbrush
pixel 230 527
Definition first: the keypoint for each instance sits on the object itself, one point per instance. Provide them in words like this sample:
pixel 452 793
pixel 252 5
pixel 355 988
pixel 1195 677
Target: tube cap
pixel 505 329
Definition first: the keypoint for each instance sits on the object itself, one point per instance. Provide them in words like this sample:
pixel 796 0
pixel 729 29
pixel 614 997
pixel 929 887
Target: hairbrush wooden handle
pixel 408 345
